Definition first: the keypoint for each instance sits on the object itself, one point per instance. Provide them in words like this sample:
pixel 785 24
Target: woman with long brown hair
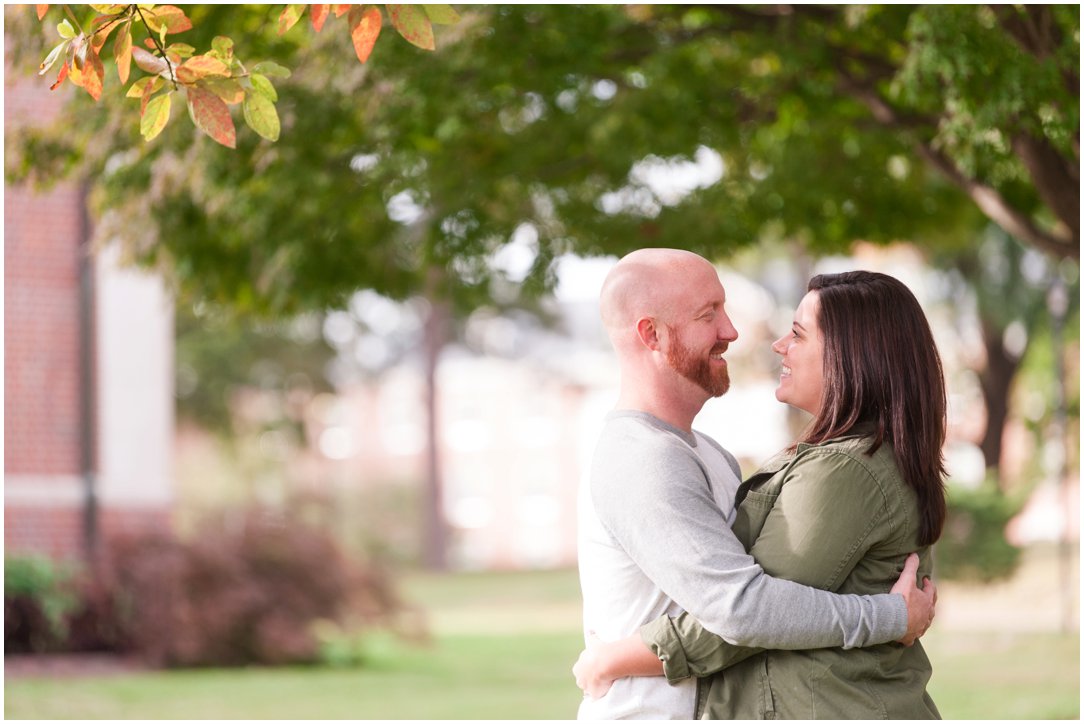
pixel 840 510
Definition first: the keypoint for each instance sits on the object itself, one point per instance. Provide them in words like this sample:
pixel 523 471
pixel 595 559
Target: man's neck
pixel 668 408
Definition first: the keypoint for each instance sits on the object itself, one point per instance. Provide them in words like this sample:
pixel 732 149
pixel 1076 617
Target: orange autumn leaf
pixel 122 51
pixel 93 75
pixel 170 17
pixel 42 9
pixel 61 76
pixel 201 66
pixel 318 14
pixel 364 30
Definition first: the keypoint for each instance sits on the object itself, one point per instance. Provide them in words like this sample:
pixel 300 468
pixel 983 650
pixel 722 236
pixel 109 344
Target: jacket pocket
pixel 841 688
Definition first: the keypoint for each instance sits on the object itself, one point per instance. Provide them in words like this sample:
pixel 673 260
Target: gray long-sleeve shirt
pixel 655 539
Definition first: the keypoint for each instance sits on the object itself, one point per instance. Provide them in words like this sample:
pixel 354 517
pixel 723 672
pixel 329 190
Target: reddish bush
pixel 246 590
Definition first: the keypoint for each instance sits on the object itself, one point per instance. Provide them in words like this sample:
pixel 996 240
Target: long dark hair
pixel 881 366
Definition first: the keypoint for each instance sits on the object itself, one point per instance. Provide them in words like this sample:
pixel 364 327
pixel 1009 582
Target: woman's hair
pixel 881 365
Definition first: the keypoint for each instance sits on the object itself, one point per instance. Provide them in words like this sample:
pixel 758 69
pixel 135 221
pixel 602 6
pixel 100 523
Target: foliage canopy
pixel 553 125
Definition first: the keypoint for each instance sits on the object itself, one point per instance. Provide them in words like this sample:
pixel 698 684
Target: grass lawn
pixel 503 648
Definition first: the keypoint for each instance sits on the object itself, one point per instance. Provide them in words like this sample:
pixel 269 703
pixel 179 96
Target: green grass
pixel 503 647
pixel 460 677
pixel 1022 675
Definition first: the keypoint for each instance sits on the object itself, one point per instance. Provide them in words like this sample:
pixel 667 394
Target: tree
pixel 211 81
pixel 406 175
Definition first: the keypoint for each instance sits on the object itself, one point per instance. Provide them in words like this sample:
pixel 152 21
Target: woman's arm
pixel 817 529
pixel 604 662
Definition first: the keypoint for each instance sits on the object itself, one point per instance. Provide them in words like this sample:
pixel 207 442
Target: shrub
pixel 973 545
pixel 38 596
pixel 247 589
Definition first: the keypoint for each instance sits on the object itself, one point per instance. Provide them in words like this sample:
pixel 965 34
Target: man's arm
pixel 828 516
pixel 654 500
pixel 657 650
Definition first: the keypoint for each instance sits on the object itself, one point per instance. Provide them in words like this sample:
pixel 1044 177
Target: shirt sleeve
pixel 818 527
pixel 655 502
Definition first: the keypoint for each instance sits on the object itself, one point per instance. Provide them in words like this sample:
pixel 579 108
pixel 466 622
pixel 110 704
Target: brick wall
pixel 44 235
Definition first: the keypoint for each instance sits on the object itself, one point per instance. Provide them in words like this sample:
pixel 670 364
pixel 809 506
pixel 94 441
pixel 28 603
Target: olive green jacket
pixel 831 517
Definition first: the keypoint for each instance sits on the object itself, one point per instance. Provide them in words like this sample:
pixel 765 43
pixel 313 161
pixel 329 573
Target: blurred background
pixel 321 405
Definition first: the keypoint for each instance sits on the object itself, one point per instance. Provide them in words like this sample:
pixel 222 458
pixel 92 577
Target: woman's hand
pixel 589 669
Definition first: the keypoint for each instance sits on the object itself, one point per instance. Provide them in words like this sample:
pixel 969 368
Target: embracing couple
pixel 793 594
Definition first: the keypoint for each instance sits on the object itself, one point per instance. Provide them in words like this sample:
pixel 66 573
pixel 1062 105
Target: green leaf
pixel 181 50
pixel 109 9
pixel 65 29
pixel 271 69
pixel 263 86
pixel 223 47
pixel 136 89
pixel 155 116
pixel 441 14
pixel 212 116
pixel 413 24
pixel 289 17
pixel 261 116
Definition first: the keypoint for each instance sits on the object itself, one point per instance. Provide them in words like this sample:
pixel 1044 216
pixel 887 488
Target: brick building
pixel 88 348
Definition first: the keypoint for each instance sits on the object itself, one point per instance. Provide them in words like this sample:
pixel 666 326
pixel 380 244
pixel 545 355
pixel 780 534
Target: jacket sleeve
pixel 657 506
pixel 817 529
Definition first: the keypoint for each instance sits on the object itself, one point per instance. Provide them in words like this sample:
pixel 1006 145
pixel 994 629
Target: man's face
pixel 703 366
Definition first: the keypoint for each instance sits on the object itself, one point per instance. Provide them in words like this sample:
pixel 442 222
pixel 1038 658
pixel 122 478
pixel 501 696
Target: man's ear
pixel 648 333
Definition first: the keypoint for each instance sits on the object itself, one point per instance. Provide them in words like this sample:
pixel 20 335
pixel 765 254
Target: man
pixel 654 533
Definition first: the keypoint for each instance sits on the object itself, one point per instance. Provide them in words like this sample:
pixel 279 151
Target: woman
pixel 841 509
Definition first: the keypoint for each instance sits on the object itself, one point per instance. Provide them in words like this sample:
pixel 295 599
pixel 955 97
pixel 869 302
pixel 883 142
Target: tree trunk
pixel 434 553
pixel 996 379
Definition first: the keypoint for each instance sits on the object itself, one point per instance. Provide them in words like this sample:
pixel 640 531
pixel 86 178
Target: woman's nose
pixel 779 346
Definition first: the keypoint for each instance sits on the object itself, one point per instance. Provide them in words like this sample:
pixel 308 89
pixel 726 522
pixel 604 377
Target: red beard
pixel 698 369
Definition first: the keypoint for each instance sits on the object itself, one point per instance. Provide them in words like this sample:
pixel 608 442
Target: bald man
pixel 654 530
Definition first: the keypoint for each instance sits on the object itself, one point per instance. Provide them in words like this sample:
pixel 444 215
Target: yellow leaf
pixel 155 116
pixel 441 14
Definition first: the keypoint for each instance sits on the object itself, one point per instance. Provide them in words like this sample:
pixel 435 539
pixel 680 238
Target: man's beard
pixel 698 369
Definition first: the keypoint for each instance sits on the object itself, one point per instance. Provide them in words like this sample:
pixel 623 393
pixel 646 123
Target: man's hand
pixel 588 670
pixel 920 601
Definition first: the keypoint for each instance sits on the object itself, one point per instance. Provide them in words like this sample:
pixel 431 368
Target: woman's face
pixel 801 382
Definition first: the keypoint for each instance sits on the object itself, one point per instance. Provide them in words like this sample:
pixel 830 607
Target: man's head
pixel 664 311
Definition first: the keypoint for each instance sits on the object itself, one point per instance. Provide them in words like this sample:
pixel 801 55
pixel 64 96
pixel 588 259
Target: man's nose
pixel 727 331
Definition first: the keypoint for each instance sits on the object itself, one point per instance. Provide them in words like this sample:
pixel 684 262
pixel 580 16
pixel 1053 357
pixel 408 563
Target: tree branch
pixel 1036 32
pixel 994 205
